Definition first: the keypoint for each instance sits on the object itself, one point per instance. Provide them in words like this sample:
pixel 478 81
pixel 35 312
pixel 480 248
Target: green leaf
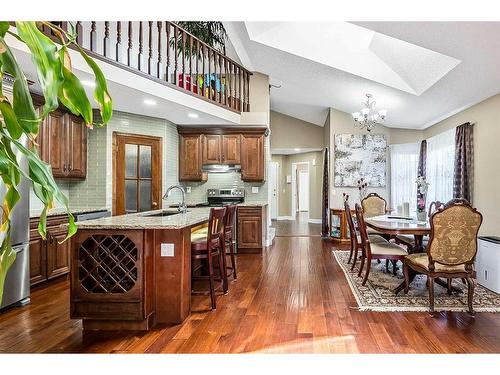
pixel 10 118
pixel 22 103
pixel 4 27
pixel 101 94
pixel 73 95
pixel 45 56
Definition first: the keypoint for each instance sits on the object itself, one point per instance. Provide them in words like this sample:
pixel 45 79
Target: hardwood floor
pixel 293 298
pixel 300 227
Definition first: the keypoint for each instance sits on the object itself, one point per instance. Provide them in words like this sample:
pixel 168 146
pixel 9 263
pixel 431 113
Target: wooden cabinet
pixel 252 157
pixel 190 158
pixel 63 144
pixel 48 258
pixel 243 147
pixel 76 147
pixel 212 150
pixel 57 255
pixel 249 229
pixel 231 149
pixel 339 230
pixel 38 258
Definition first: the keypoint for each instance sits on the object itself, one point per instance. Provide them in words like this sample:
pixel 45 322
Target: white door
pixel 273 189
pixel 303 190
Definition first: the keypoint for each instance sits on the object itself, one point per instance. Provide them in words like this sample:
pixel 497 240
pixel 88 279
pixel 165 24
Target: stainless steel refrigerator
pixel 17 282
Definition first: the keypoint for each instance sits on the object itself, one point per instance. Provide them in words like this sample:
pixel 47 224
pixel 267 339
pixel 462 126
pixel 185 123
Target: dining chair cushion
pixel 386 248
pixel 410 239
pixel 422 260
pixel 373 206
pixel 373 239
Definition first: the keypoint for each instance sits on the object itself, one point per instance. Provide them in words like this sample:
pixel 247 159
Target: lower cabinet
pixel 249 229
pixel 48 258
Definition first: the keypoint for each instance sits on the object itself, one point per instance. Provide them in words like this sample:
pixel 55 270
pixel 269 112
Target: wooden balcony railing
pixel 165 52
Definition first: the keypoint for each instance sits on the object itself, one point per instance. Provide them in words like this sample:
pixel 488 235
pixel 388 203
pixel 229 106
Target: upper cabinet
pixel 252 157
pixel 231 149
pixel 212 150
pixel 243 147
pixel 63 144
pixel 190 158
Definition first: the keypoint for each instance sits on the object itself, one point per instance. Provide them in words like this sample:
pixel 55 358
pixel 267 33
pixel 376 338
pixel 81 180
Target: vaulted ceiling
pixel 421 72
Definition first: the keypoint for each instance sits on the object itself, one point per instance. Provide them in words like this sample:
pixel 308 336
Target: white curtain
pixel 440 163
pixel 404 165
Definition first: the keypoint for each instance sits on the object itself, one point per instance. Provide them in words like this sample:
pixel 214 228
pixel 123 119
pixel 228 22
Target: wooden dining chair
pixel 452 248
pixel 373 205
pixel 409 240
pixel 355 239
pixel 229 231
pixel 385 250
pixel 210 248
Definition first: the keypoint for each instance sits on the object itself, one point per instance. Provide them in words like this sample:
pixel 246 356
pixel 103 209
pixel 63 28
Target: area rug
pixel 378 295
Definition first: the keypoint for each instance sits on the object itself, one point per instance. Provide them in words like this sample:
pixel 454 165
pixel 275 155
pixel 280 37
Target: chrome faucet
pixel 182 206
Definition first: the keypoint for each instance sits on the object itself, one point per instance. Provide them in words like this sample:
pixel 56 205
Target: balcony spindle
pixel 150 42
pixel 248 92
pixel 106 42
pixel 226 81
pixel 176 66
pixel 209 75
pixel 191 63
pixel 203 73
pixel 183 59
pixel 118 41
pixel 159 65
pixel 240 96
pixel 93 36
pixel 167 73
pixel 198 57
pixel 79 33
pixel 220 78
pixel 129 50
pixel 140 56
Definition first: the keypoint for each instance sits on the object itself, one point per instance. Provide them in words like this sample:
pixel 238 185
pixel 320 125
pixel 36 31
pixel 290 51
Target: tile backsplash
pixel 225 180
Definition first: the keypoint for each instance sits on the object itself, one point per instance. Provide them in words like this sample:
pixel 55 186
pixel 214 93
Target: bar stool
pixel 228 237
pixel 208 247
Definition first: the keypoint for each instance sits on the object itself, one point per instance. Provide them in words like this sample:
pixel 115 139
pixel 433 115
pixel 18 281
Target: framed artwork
pixel 360 156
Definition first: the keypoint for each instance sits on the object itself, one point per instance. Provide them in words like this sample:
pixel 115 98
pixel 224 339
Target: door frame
pixel 273 164
pixel 305 171
pixel 116 136
pixel 293 206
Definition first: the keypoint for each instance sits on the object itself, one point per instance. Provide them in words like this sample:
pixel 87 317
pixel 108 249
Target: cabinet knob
pixel 64 167
pixel 69 168
pixel 154 204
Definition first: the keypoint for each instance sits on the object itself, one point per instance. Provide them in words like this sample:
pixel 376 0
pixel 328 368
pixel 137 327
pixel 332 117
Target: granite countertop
pixel 61 211
pixel 140 220
pixel 253 204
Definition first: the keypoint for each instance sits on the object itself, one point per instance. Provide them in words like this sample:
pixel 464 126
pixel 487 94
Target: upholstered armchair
pixel 451 250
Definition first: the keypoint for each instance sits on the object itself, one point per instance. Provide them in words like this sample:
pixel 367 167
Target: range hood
pixel 221 168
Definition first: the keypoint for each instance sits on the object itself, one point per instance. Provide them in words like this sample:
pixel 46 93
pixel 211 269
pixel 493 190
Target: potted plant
pixel 19 119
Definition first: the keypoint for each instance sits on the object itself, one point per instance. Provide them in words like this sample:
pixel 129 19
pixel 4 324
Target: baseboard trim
pixel 315 221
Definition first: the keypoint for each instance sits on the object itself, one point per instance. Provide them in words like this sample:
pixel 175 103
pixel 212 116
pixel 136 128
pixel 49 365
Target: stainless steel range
pixel 224 197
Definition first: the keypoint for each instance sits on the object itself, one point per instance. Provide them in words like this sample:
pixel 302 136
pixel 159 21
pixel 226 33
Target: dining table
pixel 393 225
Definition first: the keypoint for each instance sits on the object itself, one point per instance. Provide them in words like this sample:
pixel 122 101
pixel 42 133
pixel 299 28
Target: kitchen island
pixel 131 272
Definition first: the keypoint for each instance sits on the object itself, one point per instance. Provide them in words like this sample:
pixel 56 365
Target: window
pixel 440 164
pixel 404 165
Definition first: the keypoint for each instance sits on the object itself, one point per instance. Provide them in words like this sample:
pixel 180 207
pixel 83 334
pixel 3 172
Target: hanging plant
pixel 19 119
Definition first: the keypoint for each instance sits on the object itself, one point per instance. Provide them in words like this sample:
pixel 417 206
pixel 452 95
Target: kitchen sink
pixel 162 213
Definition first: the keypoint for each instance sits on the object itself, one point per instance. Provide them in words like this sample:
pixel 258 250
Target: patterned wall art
pixel 360 155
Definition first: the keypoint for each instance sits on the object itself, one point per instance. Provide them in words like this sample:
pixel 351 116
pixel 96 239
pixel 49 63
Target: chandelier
pixel 368 117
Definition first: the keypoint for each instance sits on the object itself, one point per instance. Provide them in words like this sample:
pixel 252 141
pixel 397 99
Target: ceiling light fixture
pixel 149 102
pixel 296 149
pixel 368 117
pixel 193 115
